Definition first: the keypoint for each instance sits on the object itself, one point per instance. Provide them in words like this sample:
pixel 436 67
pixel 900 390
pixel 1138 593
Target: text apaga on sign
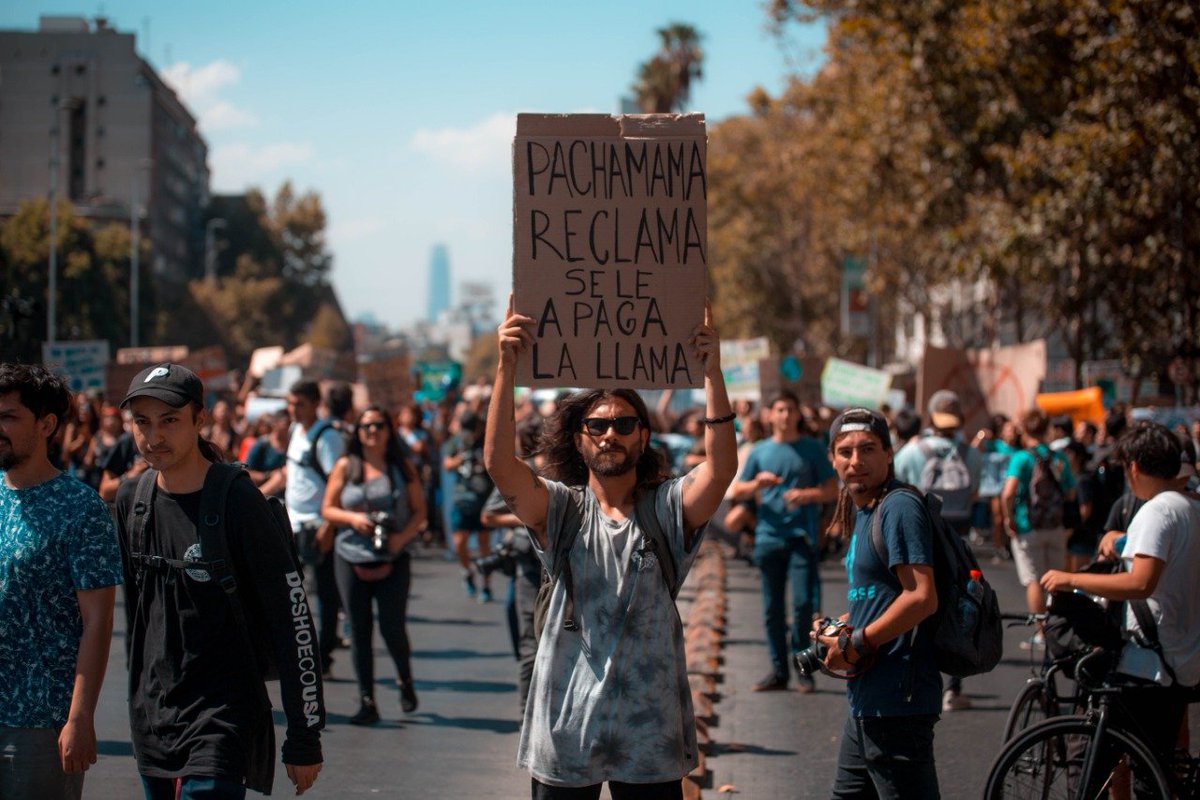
pixel 610 247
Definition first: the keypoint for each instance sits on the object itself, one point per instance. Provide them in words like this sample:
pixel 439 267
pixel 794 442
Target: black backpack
pixel 1047 500
pixel 647 522
pixel 968 635
pixel 214 546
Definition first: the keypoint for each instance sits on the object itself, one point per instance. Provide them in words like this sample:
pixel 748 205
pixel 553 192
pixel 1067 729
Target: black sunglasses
pixel 373 426
pixel 598 426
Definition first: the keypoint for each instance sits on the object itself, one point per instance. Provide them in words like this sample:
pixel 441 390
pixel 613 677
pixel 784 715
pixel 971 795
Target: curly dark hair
pixel 564 462
pixel 40 390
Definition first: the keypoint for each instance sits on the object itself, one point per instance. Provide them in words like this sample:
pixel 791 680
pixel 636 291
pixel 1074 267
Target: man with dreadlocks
pixel 895 689
pixel 609 699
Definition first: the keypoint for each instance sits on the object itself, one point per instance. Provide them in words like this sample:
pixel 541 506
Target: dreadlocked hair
pixel 841 525
pixel 564 462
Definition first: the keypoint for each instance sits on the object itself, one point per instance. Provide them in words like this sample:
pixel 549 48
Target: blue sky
pixel 400 114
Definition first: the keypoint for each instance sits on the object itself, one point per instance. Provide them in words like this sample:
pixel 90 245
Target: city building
pixel 439 283
pixel 79 105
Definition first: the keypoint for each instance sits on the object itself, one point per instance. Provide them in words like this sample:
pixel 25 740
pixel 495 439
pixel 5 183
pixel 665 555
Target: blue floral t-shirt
pixel 55 538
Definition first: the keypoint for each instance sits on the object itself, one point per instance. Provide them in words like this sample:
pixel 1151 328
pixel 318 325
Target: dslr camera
pixel 384 523
pixel 813 659
pixel 503 558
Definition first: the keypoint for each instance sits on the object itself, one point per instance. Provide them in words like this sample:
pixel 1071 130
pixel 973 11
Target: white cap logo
pixel 158 372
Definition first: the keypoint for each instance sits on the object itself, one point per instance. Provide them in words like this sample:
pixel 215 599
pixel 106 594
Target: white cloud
pixel 237 165
pixel 486 143
pixel 200 89
pixel 354 229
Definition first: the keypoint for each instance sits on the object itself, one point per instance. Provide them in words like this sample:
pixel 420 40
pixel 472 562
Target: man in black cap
pixel 199 713
pixel 895 687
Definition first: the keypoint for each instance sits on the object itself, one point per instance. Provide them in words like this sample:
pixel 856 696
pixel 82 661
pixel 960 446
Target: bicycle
pixel 1040 698
pixel 1071 757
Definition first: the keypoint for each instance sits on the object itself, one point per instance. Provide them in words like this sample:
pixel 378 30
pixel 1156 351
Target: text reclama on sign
pixel 610 247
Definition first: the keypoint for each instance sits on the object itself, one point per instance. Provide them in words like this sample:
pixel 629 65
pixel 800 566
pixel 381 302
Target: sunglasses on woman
pixel 373 426
pixel 598 426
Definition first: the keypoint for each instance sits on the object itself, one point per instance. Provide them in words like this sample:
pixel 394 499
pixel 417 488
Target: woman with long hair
pixel 375 499
pixel 78 457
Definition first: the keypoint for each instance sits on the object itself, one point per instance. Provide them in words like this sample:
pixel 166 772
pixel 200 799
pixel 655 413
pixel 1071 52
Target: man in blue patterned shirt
pixel 59 566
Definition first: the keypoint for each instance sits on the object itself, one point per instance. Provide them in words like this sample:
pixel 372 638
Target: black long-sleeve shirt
pixel 194 703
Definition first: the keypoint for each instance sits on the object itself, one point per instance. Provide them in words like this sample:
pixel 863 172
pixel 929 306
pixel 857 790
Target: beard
pixel 9 458
pixel 609 463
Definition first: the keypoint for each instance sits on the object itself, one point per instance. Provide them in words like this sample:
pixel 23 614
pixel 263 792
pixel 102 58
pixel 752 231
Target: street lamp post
pixel 52 289
pixel 210 250
pixel 135 255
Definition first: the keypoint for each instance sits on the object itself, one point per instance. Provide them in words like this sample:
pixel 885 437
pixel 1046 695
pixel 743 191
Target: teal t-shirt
pixel 801 463
pixel 55 538
pixel 1020 466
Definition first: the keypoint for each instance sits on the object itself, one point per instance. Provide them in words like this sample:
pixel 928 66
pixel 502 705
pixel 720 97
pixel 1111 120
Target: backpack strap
pixel 877 542
pixel 1148 633
pixel 143 507
pixel 214 545
pixel 656 539
pixel 314 435
pixel 572 522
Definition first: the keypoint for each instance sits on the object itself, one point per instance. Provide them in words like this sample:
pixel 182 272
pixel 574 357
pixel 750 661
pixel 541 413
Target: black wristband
pixel 730 417
pixel 858 640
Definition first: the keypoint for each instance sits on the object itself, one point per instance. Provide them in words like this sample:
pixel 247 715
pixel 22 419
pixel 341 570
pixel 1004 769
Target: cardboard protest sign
pixel 82 364
pixel 845 384
pixel 387 378
pixel 263 359
pixel 610 248
pixel 739 365
pixel 1003 380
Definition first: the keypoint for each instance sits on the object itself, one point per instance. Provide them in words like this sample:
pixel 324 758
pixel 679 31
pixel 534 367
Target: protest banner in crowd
pixel 610 247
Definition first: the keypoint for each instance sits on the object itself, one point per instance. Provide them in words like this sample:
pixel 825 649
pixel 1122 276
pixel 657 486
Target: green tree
pixel 664 82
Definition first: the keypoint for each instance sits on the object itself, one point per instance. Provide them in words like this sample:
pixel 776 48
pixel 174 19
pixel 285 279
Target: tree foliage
pixel 1046 150
pixel 92 276
pixel 664 81
pixel 273 268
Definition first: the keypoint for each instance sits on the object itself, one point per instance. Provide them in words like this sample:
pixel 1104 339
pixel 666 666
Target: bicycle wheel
pixel 1046 760
pixel 1031 707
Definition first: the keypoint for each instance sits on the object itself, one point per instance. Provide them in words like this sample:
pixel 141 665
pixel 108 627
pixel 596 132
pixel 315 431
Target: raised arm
pixel 524 492
pixel 704 487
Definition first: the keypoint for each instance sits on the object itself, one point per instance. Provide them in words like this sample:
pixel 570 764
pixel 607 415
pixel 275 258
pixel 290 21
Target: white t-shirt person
pixel 305 488
pixel 1168 528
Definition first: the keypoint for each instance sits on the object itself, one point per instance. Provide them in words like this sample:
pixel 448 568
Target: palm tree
pixel 664 83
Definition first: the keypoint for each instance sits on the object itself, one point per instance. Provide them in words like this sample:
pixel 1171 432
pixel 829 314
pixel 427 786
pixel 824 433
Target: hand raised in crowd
pixel 302 776
pixel 706 345
pixel 514 335
pixel 765 480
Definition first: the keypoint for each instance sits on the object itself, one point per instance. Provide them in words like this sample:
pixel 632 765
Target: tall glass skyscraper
pixel 439 282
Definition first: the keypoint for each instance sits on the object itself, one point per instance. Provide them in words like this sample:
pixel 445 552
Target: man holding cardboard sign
pixel 609 698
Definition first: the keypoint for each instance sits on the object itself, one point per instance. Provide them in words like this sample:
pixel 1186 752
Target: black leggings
pixel 391 595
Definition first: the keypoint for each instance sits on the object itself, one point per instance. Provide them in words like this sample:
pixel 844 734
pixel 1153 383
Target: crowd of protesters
pixel 342 471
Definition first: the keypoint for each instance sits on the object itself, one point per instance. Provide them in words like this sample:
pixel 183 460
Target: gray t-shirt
pixel 611 700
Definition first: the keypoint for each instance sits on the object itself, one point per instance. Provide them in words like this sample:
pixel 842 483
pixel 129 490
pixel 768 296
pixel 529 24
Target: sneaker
pixel 486 595
pixel 1035 642
pixel 367 714
pixel 805 684
pixel 469 584
pixel 955 701
pixel 771 683
pixel 408 698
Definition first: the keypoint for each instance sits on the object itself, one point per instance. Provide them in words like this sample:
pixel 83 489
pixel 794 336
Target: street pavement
pixel 462 740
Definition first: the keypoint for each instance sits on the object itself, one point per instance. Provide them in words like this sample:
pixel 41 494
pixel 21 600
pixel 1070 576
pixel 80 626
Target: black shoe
pixel 367 714
pixel 408 698
pixel 772 683
pixel 805 684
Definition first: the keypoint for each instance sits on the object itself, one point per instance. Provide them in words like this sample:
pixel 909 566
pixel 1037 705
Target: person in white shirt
pixel 1161 555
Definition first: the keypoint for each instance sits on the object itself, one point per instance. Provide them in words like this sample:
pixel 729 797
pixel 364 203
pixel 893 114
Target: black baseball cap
pixel 860 419
pixel 174 385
